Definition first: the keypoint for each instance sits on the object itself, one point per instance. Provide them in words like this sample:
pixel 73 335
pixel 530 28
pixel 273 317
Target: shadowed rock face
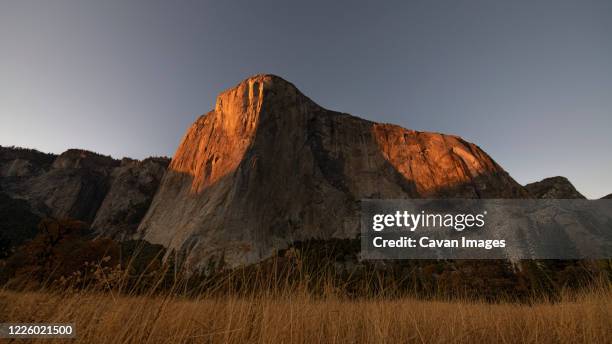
pixel 553 188
pixel 72 186
pixel 268 167
pixel 607 197
pixel 82 185
pixel 132 187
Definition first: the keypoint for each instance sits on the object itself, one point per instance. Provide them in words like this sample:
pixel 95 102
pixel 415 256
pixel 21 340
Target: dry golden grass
pixel 110 318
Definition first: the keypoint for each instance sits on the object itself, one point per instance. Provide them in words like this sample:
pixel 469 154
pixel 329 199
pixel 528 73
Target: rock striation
pixel 268 167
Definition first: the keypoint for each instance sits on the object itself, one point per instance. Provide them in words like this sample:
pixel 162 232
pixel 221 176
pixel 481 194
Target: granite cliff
pixel 268 166
pixel 265 168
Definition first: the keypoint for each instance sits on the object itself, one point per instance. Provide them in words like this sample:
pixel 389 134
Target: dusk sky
pixel 530 82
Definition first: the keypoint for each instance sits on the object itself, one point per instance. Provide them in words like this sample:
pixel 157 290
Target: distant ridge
pixel 110 194
pixel 553 187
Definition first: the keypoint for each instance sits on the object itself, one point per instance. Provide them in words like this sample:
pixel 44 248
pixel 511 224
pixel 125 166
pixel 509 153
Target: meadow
pixel 312 293
pixel 105 317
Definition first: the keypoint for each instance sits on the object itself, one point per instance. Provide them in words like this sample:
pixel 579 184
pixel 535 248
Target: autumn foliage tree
pixel 61 250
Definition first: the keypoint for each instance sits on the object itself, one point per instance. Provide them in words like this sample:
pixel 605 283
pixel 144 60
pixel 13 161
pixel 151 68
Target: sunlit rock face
pixel 268 166
pixel 553 188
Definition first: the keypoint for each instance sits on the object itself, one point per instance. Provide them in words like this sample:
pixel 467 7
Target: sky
pixel 530 82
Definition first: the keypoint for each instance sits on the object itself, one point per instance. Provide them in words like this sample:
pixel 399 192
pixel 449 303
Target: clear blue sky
pixel 528 81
